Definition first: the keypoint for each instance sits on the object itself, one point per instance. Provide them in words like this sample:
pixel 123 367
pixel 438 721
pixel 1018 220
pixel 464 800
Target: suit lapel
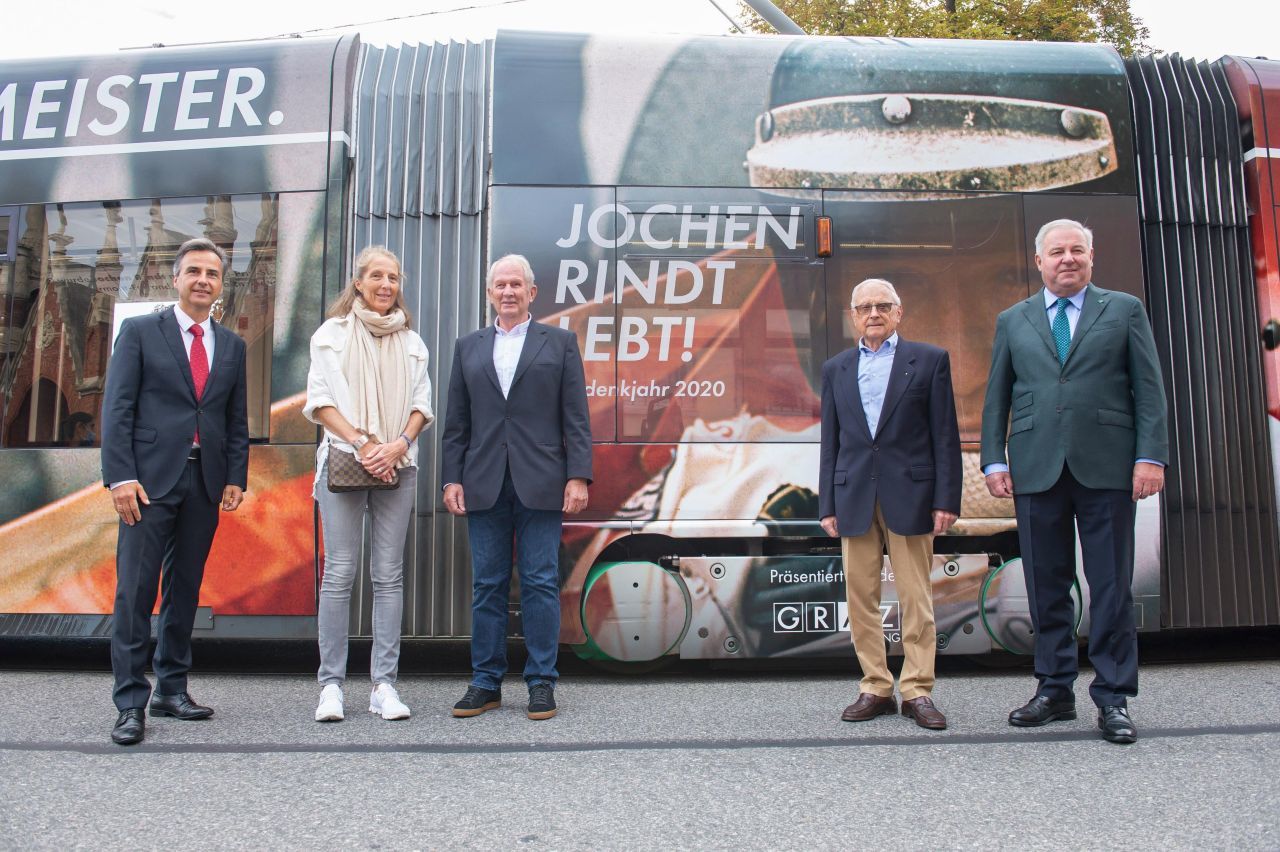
pixel 172 334
pixel 1036 313
pixel 535 339
pixel 904 364
pixel 1095 302
pixel 222 338
pixel 849 391
pixel 487 339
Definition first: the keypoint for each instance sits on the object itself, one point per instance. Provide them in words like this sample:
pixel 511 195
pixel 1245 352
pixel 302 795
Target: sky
pixel 69 27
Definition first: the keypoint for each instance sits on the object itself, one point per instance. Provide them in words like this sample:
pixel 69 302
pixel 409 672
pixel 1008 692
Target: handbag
pixel 347 474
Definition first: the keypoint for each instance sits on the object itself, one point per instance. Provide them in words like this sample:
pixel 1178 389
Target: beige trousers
pixel 911 557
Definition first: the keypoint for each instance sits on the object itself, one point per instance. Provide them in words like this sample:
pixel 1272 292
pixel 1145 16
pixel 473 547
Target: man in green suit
pixel 1075 396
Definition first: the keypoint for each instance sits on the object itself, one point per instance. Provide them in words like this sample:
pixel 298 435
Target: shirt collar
pixel 185 322
pixel 890 344
pixel 1077 300
pixel 515 332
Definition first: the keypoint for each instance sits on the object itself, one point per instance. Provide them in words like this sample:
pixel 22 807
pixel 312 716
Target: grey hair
pixel 198 244
pixel 853 297
pixel 1062 223
pixel 519 260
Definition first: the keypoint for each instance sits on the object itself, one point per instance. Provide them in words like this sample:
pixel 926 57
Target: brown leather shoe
pixel 869 706
pixel 926 714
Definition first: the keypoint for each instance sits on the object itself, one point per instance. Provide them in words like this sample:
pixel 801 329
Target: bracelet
pixel 408 443
pixel 360 441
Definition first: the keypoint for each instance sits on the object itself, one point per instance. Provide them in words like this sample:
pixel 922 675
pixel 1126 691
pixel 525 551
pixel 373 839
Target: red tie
pixel 199 366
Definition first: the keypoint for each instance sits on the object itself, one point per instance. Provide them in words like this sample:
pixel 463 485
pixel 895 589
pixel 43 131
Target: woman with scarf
pixel 368 387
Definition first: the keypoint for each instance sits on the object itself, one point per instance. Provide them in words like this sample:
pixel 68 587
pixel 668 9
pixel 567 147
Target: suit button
pixel 1059 409
pixel 875 448
pixel 1062 381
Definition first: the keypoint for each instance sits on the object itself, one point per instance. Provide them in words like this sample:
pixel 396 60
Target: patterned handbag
pixel 347 474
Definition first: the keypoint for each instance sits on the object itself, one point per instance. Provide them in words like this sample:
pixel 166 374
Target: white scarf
pixel 377 367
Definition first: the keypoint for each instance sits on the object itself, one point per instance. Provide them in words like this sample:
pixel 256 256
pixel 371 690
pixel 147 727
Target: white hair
pixel 519 260
pixel 853 297
pixel 1062 223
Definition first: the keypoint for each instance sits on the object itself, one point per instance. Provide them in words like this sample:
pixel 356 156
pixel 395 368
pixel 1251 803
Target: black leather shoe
pixel 130 727
pixel 542 701
pixel 477 701
pixel 1116 726
pixel 178 706
pixel 1041 711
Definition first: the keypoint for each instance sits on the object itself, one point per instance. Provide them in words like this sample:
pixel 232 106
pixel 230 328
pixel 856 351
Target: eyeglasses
pixel 879 307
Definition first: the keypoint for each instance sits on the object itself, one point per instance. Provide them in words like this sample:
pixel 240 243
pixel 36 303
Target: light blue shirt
pixel 1075 304
pixel 874 369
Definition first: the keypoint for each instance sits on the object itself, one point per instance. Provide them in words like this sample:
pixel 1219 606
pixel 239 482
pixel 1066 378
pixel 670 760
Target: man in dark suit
pixel 890 479
pixel 175 446
pixel 517 457
pixel 1076 365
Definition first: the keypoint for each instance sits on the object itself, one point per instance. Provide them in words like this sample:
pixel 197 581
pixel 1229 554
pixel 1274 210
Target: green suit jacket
pixel 1097 413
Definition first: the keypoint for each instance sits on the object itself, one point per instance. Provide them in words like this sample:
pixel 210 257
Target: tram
pixel 696 210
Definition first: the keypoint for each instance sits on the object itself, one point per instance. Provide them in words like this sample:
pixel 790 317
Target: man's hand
pixel 454 500
pixel 126 498
pixel 942 519
pixel 829 526
pixel 1148 479
pixel 575 496
pixel 1000 484
pixel 232 497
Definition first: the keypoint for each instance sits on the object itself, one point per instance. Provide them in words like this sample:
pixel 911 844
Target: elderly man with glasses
pixel 890 480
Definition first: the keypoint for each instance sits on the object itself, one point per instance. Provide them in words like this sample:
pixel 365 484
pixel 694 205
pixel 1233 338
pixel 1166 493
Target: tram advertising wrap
pixel 108 165
pixel 670 219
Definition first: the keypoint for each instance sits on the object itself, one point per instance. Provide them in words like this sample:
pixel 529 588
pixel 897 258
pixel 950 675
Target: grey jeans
pixel 342 517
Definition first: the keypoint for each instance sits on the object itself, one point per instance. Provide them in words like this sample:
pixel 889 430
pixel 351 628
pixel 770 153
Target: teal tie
pixel 1062 330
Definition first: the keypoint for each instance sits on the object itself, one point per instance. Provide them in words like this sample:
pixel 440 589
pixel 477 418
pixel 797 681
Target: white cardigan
pixel 326 385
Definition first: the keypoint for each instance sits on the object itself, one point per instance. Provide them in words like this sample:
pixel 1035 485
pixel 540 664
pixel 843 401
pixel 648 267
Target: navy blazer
pixel 541 430
pixel 150 412
pixel 911 466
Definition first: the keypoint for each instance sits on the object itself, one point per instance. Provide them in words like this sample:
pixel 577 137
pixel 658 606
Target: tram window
pixel 77 270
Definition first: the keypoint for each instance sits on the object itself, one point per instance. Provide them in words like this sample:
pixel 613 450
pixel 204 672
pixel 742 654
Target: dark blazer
pixel 1099 412
pixel 542 430
pixel 150 413
pixel 911 466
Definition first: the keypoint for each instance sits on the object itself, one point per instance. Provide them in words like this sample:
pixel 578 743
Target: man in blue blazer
pixel 890 478
pixel 175 447
pixel 517 457
pixel 1076 398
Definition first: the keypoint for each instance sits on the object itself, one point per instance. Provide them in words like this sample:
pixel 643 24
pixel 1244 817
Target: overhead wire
pixel 470 8
pixel 733 22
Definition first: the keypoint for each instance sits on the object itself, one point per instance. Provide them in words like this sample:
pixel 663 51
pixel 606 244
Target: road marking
pixel 922 739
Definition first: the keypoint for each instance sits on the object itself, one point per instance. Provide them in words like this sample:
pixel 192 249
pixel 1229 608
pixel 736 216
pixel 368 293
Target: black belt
pixel 194 454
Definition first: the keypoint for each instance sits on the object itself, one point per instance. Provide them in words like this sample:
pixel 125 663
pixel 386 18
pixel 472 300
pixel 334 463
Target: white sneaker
pixel 330 709
pixel 386 701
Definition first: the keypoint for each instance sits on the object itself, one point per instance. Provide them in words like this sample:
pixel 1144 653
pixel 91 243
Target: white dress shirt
pixel 507 346
pixel 184 323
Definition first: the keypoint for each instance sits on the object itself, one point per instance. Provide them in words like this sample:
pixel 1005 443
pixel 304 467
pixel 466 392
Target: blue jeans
pixel 535 534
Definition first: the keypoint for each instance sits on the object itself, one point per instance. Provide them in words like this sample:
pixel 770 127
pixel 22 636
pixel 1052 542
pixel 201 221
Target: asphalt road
pixel 708 761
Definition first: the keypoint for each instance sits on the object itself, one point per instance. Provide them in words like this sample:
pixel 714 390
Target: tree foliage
pixel 1106 21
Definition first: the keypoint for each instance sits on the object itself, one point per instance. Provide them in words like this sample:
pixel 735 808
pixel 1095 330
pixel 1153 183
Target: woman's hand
pixel 380 459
